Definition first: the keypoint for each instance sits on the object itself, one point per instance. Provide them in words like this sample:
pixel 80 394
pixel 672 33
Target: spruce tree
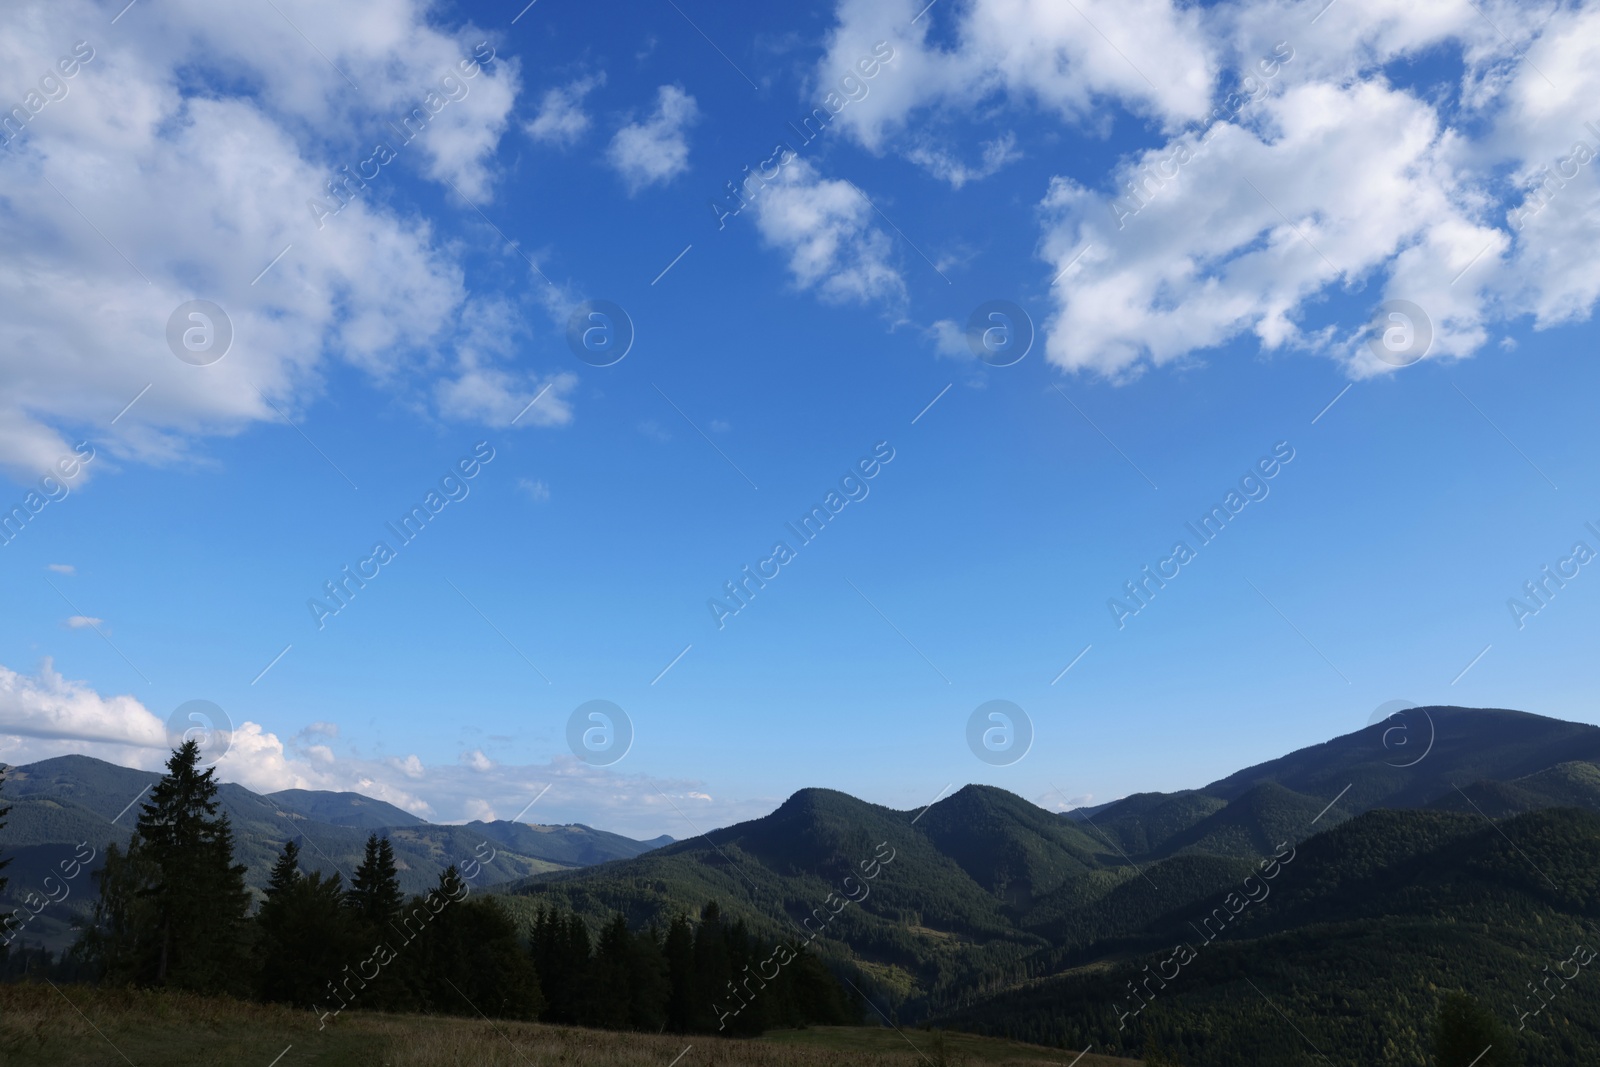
pixel 199 895
pixel 375 889
pixel 286 871
pixel 649 983
pixel 679 951
pixel 307 937
pixel 5 916
pixel 470 959
pixel 712 997
pixel 611 971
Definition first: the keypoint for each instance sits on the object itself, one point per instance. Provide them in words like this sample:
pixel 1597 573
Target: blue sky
pixel 1181 338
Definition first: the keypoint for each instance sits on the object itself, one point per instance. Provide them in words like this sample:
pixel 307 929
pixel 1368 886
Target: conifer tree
pixel 375 889
pixel 611 973
pixel 285 871
pixel 469 958
pixel 649 983
pixel 711 995
pixel 679 952
pixel 199 895
pixel 307 935
pixel 5 916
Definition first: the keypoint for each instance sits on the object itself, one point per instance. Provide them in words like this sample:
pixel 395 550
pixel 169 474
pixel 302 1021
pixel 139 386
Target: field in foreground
pixel 77 1026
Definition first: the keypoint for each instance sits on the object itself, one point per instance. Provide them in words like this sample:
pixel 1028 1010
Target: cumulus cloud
pixel 45 715
pixel 54 709
pixel 537 491
pixel 1149 54
pixel 80 622
pixel 561 119
pixel 826 227
pixel 180 164
pixel 1253 222
pixel 655 151
pixel 1282 173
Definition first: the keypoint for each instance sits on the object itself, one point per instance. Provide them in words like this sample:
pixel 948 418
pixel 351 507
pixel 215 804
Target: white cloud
pixel 1252 224
pixel 411 766
pixel 191 149
pixel 80 622
pixel 46 715
pixel 1363 185
pixel 827 230
pixel 561 119
pixel 62 568
pixel 537 491
pixel 53 709
pixel 1149 54
pixel 950 339
pixel 947 167
pixel 656 150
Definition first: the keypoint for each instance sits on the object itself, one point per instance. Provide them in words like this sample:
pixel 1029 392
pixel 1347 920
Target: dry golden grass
pixel 78 1026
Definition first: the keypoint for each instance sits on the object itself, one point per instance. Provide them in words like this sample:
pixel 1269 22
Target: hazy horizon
pixel 399 379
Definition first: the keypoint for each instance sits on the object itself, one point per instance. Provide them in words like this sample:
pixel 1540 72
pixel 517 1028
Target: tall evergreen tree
pixel 611 971
pixel 285 871
pixel 375 888
pixel 679 952
pixel 307 936
pixel 5 916
pixel 711 995
pixel 469 959
pixel 198 895
pixel 649 983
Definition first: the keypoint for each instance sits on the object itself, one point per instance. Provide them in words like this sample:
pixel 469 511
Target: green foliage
pixel 1467 1034
pixel 469 959
pixel 706 977
pixel 172 906
pixel 5 916
pixel 375 889
pixel 307 935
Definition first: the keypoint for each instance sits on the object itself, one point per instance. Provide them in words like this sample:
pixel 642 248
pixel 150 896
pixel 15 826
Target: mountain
pixel 1418 759
pixel 992 909
pixel 342 809
pixel 59 802
pixel 1381 882
pixel 1347 954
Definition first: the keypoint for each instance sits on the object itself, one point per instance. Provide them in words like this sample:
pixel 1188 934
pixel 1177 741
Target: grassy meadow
pixel 79 1026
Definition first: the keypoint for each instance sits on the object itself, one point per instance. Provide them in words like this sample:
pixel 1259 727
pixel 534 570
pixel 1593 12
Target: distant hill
pixel 342 809
pixel 1349 954
pixel 1445 747
pixel 988 892
pixel 58 802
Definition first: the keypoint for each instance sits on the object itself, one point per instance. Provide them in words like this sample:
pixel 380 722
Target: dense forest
pixel 173 911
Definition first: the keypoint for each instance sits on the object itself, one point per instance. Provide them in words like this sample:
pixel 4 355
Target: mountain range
pixel 1317 904
pixel 57 803
pixel 1463 855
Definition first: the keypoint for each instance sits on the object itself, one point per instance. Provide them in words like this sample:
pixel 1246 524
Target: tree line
pixel 173 911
